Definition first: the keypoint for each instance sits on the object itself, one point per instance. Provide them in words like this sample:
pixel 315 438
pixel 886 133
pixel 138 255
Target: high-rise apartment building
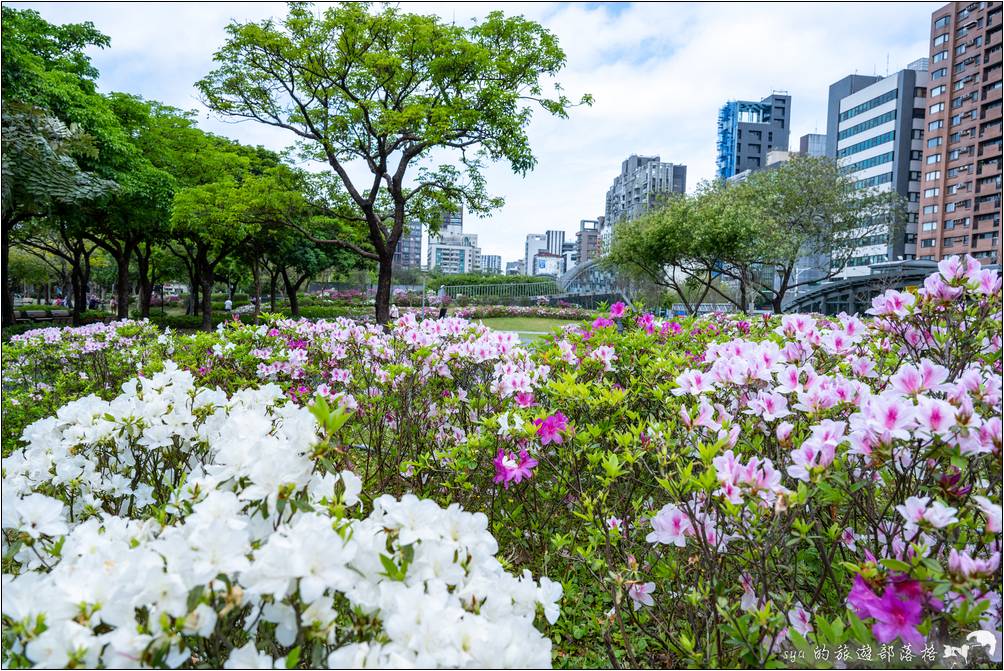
pixel 491 264
pixel 748 130
pixel 535 243
pixel 587 240
pixel 453 222
pixel 451 251
pixel 643 180
pixel 960 204
pixel 812 144
pixel 555 240
pixel 408 254
pixel 879 144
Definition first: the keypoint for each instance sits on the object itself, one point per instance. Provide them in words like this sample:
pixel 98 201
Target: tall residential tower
pixel 960 205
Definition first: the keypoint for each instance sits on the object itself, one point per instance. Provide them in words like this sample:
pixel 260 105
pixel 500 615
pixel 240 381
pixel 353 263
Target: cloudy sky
pixel 658 72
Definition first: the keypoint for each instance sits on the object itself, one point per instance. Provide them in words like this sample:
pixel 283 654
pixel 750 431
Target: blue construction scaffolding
pixel 730 116
pixel 727 126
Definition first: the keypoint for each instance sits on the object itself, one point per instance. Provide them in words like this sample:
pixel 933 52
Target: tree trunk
pixel 122 286
pixel 256 274
pixel 294 302
pixel 79 285
pixel 206 275
pixel 8 295
pixel 383 288
pixel 145 281
pixel 194 283
pixel 273 278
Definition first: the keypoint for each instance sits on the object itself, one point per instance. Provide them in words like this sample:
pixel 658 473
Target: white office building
pixel 879 143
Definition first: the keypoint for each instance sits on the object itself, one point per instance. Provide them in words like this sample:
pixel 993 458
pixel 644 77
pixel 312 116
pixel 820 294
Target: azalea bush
pixel 751 490
pixel 176 526
pixel 45 367
pixel 722 491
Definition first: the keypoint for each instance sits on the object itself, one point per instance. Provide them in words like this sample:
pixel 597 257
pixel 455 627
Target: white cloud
pixel 658 71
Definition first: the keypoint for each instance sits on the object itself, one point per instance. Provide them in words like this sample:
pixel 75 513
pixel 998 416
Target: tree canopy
pixel 393 91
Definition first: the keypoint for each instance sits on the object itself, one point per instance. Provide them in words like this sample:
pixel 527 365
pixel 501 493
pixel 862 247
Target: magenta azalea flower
pixel 617 310
pixel 524 399
pixel 550 429
pixel 509 469
pixel 602 322
pixel 897 613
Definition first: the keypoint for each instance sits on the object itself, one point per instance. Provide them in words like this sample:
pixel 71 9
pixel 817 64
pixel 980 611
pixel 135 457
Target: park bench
pixel 35 316
pixel 61 316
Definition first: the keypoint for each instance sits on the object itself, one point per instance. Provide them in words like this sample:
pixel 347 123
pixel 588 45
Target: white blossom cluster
pixel 174 526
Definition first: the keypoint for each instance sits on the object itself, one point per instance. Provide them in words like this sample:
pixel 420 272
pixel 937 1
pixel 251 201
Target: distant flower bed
pixel 547 312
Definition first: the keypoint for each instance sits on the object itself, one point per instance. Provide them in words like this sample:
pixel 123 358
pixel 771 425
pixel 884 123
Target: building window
pixel 939 73
pixel 927 243
pixel 929 226
pixel 940 56
pixel 930 209
pixel 865 125
pixel 937 90
pixel 865 106
pixel 936 124
pixel 933 175
pixel 934 141
pixel 933 158
pixel 931 193
pixel 917 134
pixel 943 21
pixel 940 39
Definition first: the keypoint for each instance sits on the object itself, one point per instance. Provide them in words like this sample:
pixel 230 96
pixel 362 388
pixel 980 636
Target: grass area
pixel 533 327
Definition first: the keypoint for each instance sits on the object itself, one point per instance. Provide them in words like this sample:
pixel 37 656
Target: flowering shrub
pixel 174 526
pixel 757 488
pixel 721 491
pixel 44 367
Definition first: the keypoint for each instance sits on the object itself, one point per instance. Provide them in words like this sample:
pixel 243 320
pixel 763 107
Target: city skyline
pixel 659 74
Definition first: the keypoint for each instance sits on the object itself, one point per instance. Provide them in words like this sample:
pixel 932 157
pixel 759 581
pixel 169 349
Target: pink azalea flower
pixel 965 566
pixel 617 310
pixel 693 382
pixel 670 526
pixel 605 354
pixel 892 303
pixel 800 619
pixel 524 399
pixel 992 511
pixel 550 429
pixel 615 524
pixel 916 512
pixel 510 469
pixel 641 594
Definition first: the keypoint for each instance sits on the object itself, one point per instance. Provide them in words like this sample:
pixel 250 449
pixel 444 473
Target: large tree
pixel 807 208
pixel 48 92
pixel 754 234
pixel 390 91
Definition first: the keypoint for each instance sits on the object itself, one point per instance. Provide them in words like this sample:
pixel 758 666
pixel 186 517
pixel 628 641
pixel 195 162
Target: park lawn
pixel 531 326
